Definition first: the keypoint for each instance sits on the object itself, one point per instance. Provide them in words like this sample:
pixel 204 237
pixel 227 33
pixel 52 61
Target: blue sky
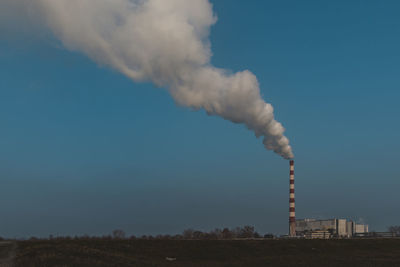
pixel 83 149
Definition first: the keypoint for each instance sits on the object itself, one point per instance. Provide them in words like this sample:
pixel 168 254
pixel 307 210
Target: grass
pixel 210 253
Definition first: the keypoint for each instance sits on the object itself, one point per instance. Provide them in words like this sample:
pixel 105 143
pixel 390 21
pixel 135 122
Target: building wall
pixel 313 225
pixel 350 228
pixel 360 228
pixel 341 227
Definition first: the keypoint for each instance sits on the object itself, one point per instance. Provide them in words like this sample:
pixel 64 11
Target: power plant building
pixel 335 227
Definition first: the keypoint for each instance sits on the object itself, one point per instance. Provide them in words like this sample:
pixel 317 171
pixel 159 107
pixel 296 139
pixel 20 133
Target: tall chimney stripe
pixel 292 214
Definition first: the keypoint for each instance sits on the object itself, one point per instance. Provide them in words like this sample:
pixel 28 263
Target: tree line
pixel 245 232
pixel 224 233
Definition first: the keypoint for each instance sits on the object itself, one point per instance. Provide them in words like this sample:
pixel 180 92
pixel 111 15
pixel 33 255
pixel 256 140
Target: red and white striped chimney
pixel 292 216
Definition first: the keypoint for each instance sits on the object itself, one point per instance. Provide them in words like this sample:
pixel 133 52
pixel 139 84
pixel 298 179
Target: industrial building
pixel 342 228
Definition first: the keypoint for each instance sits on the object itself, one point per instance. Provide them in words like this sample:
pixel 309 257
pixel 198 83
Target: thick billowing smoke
pixel 165 42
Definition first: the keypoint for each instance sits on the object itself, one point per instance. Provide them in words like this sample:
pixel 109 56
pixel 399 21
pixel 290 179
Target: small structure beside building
pixel 317 234
pixel 376 235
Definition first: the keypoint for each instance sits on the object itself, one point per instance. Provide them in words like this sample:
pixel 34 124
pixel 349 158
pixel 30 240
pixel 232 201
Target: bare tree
pixel 198 235
pixel 118 234
pixel 227 234
pixel 188 234
pixel 246 232
pixel 236 232
pixel 216 234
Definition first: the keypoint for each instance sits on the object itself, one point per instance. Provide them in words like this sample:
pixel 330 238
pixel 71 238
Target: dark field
pixel 355 252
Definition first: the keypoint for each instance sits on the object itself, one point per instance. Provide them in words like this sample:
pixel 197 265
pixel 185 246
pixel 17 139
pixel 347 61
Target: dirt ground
pixel 7 253
pixel 210 253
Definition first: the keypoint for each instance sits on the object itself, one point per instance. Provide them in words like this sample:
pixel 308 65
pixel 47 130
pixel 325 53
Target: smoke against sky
pixel 167 43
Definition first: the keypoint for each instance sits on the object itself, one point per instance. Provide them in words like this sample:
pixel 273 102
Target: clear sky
pixel 85 150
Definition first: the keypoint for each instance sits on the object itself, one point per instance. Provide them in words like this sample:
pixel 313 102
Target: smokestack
pixel 292 217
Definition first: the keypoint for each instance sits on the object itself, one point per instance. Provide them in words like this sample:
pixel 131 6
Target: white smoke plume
pixel 165 42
